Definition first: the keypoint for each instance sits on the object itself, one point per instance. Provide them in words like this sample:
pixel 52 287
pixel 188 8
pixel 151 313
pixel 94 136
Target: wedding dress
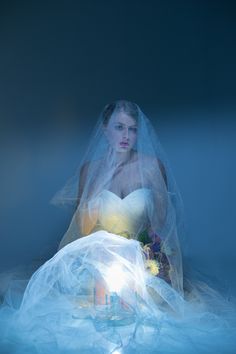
pixel 141 313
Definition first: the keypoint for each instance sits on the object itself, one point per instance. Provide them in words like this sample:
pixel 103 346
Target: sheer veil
pixel 146 166
pixel 96 295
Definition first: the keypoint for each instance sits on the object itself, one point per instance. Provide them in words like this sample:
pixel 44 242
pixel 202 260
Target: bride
pixel 116 283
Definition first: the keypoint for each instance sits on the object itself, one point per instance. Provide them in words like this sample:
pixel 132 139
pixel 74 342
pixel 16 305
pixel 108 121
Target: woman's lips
pixel 124 144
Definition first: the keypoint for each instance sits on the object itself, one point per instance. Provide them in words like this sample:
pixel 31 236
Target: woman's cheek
pixel 114 140
pixel 133 140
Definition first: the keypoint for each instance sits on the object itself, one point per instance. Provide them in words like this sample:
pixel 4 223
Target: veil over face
pixel 124 155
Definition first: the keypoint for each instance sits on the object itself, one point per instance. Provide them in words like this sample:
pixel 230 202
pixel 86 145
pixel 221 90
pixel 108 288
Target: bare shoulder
pixel 89 165
pixel 152 163
pixel 151 160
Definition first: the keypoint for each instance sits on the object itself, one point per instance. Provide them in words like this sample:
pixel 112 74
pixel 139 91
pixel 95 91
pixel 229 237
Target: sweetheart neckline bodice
pixel 128 215
pixel 138 190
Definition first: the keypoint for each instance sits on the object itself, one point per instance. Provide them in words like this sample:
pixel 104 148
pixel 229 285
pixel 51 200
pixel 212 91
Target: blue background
pixel 62 62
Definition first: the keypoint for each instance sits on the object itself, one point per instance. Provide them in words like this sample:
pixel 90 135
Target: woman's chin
pixel 123 149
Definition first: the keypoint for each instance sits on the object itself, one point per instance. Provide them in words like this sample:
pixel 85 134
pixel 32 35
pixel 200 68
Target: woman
pixel 116 283
pixel 124 165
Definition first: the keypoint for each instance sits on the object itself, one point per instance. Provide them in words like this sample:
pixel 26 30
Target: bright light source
pixel 115 279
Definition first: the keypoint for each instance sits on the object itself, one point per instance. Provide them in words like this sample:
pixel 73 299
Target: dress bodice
pixel 127 216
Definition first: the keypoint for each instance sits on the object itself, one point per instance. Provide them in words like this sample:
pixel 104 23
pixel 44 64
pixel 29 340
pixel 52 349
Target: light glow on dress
pixel 115 278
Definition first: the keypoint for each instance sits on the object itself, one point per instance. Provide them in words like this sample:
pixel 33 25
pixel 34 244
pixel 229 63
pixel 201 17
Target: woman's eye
pixel 133 130
pixel 119 127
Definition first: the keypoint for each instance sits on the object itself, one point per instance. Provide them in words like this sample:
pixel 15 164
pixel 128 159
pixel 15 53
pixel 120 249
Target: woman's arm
pixel 163 171
pixel 87 215
pixel 159 184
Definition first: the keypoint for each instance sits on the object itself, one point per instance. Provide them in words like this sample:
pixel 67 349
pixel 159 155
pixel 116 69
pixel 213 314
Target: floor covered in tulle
pixel 63 310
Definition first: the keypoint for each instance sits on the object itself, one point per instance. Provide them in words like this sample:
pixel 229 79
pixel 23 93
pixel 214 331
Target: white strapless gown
pixel 95 296
pixel 129 214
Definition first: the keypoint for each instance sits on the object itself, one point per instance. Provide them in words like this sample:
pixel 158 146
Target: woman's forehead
pixel 124 118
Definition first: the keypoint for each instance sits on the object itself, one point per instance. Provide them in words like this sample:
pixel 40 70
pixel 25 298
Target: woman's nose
pixel 126 133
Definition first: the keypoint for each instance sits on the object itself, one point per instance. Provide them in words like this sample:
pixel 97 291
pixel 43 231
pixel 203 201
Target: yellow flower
pixel 152 266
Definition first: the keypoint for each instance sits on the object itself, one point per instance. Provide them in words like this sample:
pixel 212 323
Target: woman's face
pixel 121 132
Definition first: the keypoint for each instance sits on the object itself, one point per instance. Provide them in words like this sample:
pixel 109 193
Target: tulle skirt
pixel 96 296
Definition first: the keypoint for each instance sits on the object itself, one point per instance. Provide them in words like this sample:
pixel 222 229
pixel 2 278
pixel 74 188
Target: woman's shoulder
pixel 90 164
pixel 153 164
pixel 151 160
